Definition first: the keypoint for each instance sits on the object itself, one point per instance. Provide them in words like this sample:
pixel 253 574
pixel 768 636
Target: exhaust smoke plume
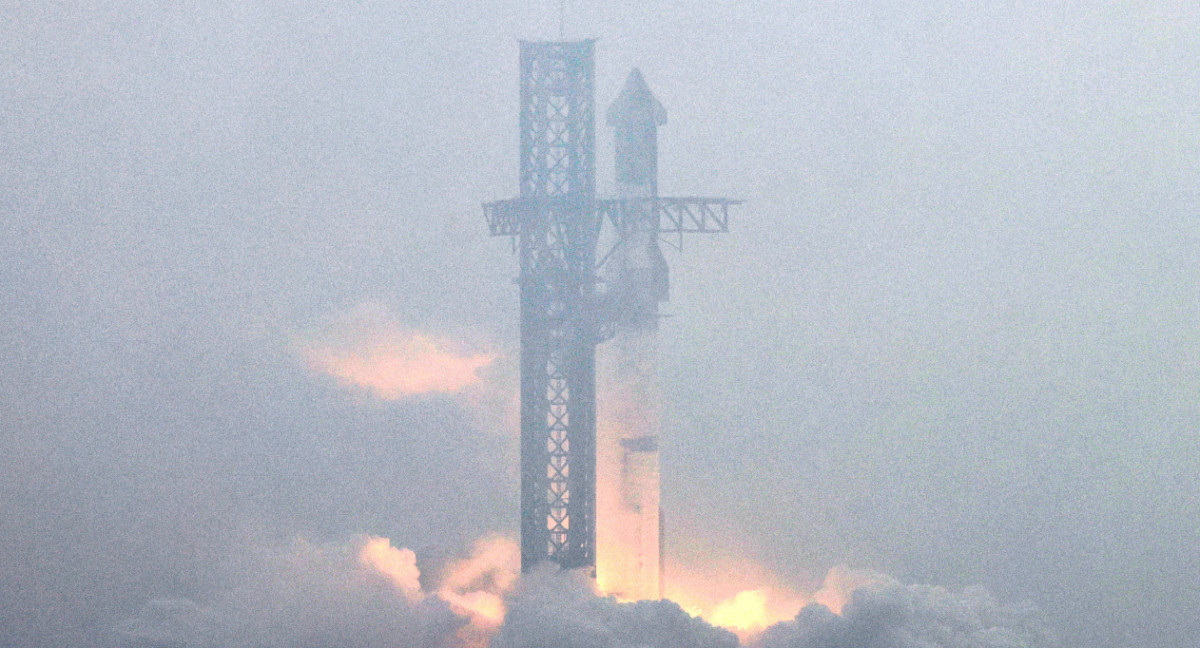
pixel 367 350
pixel 550 608
pixel 368 593
pixel 476 587
pixel 746 599
pixel 563 609
pixel 914 616
pixel 399 565
pixel 305 595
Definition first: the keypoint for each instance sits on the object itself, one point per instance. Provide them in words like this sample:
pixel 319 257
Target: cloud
pixel 366 349
pixel 555 608
pixel 476 586
pixel 368 593
pixel 890 615
pixel 744 597
pixel 303 594
pixel 399 565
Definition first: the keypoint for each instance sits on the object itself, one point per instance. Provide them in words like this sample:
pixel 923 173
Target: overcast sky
pixel 953 335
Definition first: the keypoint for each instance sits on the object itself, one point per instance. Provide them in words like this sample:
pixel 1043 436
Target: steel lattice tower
pixel 557 222
pixel 557 251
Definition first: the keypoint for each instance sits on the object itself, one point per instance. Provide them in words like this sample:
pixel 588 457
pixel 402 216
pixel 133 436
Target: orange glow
pixel 399 367
pixel 399 565
pixel 744 598
pixel 627 515
pixel 475 587
pixel 737 595
pixel 734 594
pixel 628 522
pixel 745 612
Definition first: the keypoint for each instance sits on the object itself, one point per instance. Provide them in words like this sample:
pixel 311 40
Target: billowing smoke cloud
pixel 367 350
pixel 369 593
pixel 363 593
pixel 915 616
pixel 552 608
pixel 746 598
pixel 399 565
pixel 476 587
pixel 561 609
pixel 304 595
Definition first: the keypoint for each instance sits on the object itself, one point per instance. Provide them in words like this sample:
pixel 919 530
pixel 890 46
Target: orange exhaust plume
pixel 744 598
pixel 737 595
pixel 745 612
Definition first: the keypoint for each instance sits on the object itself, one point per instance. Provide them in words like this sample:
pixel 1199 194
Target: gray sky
pixel 953 335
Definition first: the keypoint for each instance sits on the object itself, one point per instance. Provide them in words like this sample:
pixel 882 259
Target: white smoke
pixel 367 349
pixel 891 615
pixel 561 609
pixel 301 595
pixel 369 594
pixel 553 608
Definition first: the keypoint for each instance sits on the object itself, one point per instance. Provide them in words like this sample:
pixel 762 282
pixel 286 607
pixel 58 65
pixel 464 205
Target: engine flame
pixel 745 612
pixel 746 609
pixel 746 599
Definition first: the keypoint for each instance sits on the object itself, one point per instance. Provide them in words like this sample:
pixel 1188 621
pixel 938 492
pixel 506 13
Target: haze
pixel 952 336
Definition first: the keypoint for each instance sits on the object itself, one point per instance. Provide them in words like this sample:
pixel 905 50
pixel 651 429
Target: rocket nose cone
pixel 635 82
pixel 636 103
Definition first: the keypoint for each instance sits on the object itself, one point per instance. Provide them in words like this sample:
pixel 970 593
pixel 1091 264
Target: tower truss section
pixel 556 243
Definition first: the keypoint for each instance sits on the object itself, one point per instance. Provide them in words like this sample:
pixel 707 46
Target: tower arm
pixel 674 215
pixel 504 216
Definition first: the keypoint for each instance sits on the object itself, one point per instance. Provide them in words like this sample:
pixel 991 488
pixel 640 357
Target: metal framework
pixel 557 248
pixel 556 224
pixel 673 215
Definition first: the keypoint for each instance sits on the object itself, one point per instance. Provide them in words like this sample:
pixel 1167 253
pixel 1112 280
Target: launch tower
pixel 558 226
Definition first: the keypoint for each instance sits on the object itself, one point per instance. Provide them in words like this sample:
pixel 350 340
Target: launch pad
pixel 590 271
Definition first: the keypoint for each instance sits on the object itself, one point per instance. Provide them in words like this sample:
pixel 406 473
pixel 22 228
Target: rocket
pixel 642 274
pixel 635 117
pixel 629 530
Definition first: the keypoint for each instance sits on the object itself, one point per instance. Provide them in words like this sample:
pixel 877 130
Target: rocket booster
pixel 629 530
